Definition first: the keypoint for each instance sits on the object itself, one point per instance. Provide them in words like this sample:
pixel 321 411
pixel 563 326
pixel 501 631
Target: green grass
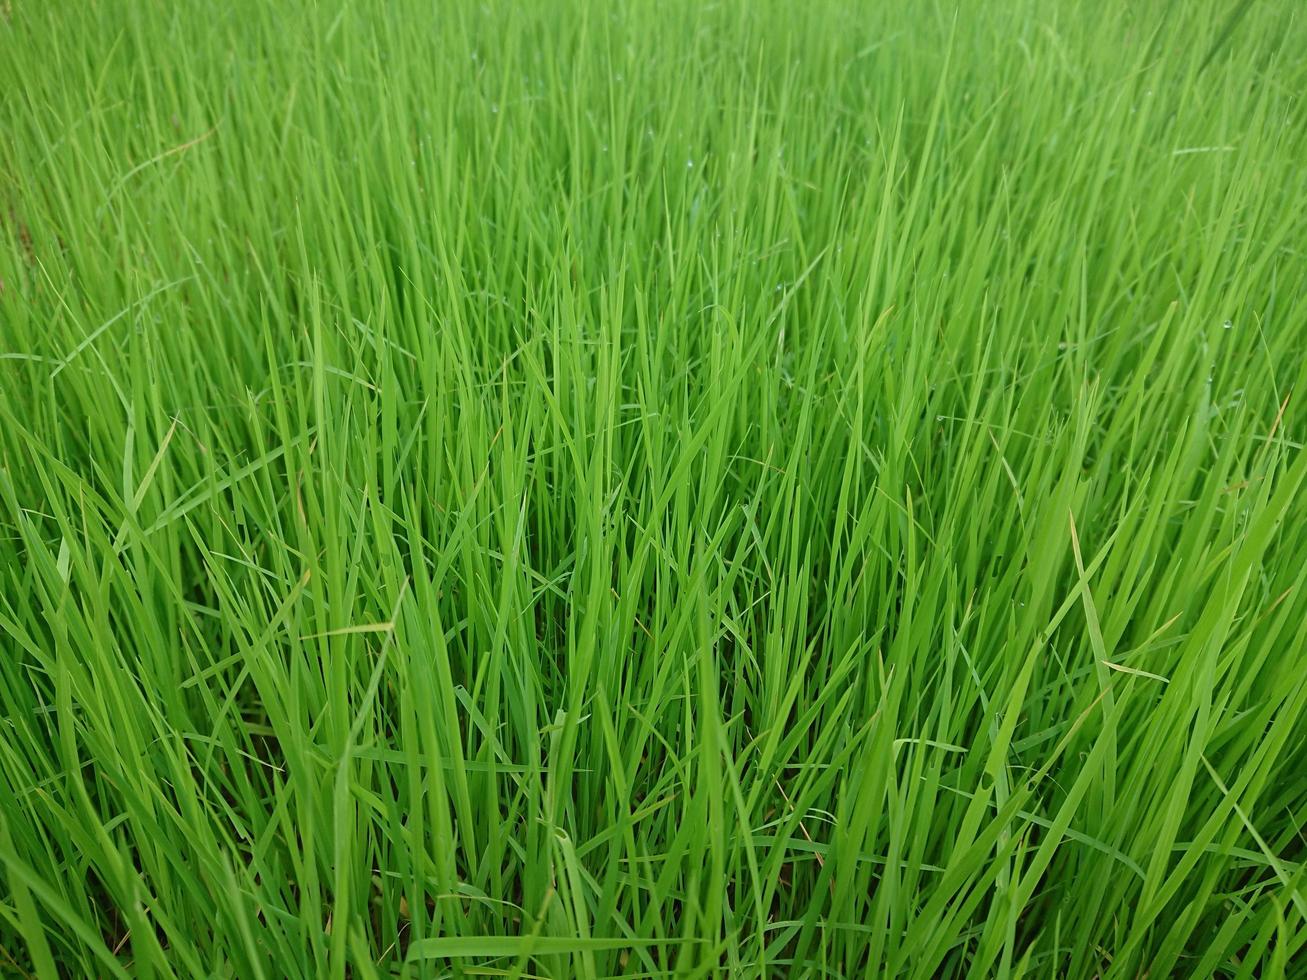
pixel 571 490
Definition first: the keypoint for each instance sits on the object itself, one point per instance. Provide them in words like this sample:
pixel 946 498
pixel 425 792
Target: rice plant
pixel 563 489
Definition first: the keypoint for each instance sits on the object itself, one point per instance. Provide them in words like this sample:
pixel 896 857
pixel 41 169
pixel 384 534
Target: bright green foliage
pixel 573 490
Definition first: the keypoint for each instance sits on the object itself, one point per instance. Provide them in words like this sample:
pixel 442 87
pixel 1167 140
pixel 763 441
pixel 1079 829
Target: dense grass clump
pixel 575 490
